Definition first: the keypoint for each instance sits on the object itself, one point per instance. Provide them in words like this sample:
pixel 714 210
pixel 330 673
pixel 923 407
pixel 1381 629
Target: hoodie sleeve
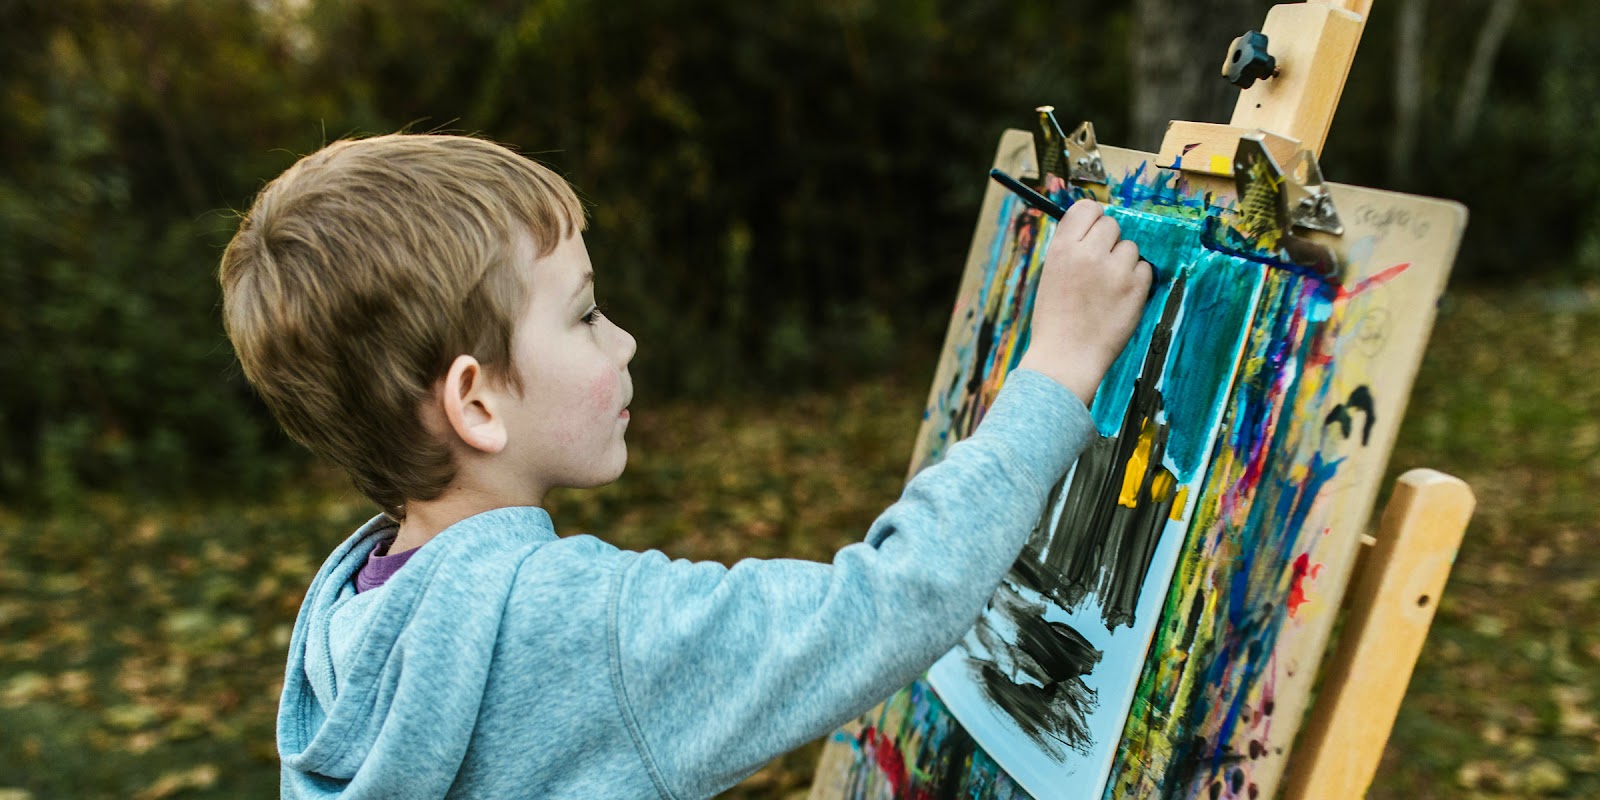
pixel 718 670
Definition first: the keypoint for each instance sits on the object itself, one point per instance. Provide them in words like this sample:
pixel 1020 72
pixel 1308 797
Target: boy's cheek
pixel 601 399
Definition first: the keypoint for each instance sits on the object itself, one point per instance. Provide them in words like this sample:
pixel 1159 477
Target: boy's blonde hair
pixel 363 270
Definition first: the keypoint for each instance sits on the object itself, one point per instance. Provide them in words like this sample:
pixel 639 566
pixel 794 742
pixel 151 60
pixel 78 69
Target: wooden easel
pixel 1394 588
pixel 1397 583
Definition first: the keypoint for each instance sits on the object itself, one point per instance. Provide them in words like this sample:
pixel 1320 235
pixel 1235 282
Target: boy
pixel 420 309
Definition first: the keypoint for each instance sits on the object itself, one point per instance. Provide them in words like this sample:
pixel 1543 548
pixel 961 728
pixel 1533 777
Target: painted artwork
pixel 911 747
pixel 1206 703
pixel 1046 676
pixel 1159 635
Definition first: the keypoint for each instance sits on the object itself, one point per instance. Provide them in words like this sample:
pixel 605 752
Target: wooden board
pixel 1369 334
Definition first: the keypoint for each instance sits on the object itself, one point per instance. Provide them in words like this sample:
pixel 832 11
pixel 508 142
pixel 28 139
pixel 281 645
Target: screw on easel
pixel 1248 60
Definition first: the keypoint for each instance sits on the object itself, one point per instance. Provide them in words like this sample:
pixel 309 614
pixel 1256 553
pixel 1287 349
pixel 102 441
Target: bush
pixel 781 192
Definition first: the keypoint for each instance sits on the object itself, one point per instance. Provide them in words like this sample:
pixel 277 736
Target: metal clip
pixel 1263 210
pixel 1310 203
pixel 1078 154
pixel 1051 144
pixel 1260 224
pixel 1084 153
pixel 1272 201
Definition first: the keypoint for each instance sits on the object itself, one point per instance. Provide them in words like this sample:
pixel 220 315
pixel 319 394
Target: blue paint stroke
pixel 1222 294
pixel 1173 244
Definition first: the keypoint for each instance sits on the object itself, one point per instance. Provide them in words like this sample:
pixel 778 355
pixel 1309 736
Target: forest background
pixel 781 195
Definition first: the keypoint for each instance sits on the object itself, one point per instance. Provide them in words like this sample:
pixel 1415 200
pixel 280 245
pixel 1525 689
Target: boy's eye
pixel 592 316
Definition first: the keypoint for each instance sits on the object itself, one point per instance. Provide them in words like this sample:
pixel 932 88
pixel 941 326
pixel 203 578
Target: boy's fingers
pixel 1127 252
pixel 1078 219
pixel 1103 235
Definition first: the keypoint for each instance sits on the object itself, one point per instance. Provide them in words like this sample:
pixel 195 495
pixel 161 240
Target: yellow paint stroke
pixel 1180 504
pixel 1138 462
pixel 1257 210
pixel 1161 486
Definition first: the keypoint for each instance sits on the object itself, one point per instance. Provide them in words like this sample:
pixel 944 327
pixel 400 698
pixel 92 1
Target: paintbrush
pixel 1210 238
pixel 1036 201
pixel 1043 204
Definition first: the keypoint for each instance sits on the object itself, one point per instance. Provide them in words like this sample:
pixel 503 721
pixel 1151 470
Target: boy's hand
pixel 1091 292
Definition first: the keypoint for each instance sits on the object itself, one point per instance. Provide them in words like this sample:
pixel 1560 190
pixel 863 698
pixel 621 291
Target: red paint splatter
pixel 1372 281
pixel 1303 569
pixel 890 762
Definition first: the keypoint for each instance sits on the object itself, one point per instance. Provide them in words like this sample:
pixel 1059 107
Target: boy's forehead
pixel 559 275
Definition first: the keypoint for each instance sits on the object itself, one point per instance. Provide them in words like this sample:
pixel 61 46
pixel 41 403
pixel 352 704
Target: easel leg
pixel 1387 619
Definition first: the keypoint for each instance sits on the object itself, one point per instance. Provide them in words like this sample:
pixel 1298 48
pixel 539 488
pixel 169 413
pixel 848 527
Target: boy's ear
pixel 470 407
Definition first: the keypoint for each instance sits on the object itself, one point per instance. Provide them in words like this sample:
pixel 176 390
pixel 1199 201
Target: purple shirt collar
pixel 381 566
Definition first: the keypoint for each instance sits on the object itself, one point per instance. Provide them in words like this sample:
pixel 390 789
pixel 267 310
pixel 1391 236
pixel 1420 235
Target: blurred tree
pixel 116 139
pixel 781 193
pixel 1177 51
pixel 1475 84
pixel 1407 89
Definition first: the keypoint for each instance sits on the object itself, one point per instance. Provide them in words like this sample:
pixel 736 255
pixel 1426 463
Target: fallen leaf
pixel 1541 776
pixel 203 776
pixel 130 716
pixel 24 688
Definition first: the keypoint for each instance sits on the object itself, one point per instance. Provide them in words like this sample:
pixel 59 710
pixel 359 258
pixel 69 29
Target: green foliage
pixel 781 193
pixel 1529 168
pixel 115 371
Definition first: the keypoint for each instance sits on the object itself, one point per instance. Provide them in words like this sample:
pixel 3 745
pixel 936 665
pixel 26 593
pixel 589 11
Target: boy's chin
pixel 599 477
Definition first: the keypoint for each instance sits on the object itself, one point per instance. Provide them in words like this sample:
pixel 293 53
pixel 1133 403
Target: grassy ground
pixel 141 646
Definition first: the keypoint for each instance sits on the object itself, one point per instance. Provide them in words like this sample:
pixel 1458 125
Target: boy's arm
pixel 718 670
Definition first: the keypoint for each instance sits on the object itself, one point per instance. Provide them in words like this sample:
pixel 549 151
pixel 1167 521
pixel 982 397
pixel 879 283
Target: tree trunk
pixel 1178 47
pixel 1407 89
pixel 1476 84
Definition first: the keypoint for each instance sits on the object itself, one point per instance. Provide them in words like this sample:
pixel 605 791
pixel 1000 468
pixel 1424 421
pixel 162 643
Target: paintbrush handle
pixel 1036 201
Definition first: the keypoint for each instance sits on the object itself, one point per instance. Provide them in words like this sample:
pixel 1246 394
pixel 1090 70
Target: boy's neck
pixel 426 518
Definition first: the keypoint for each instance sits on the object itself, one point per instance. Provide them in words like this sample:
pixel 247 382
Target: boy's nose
pixel 629 346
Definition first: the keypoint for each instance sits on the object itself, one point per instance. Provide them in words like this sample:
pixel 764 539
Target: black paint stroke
pixel 1360 400
pixel 1098 546
pixel 1039 680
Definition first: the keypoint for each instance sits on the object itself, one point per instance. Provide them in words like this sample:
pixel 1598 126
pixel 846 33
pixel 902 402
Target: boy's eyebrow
pixel 588 278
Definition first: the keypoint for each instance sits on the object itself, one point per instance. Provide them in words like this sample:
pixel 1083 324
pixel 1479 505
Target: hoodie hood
pixel 350 707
